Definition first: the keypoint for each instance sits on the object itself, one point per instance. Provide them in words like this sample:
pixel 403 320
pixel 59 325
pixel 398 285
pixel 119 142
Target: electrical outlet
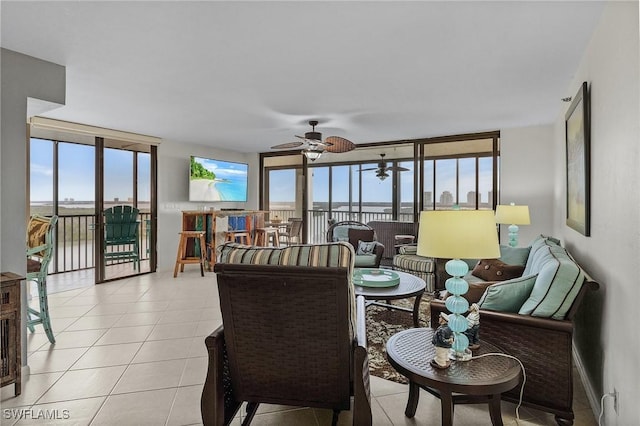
pixel 615 400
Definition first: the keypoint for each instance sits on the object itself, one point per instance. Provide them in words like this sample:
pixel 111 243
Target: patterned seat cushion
pixel 413 262
pixel 338 254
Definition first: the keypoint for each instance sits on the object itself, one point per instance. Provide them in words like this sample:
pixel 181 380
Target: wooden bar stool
pixel 182 258
pixel 263 235
pixel 243 235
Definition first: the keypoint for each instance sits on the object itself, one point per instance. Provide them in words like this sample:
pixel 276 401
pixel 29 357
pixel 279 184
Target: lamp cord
pixel 524 376
pixel 602 406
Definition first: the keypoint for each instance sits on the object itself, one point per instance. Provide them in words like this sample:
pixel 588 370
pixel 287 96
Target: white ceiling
pixel 248 75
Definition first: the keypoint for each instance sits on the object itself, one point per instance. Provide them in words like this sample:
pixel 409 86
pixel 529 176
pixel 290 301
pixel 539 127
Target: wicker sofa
pixel 542 340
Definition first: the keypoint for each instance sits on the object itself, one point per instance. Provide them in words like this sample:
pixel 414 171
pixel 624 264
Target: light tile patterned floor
pixel 131 352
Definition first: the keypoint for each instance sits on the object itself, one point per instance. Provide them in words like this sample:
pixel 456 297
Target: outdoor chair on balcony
pixel 40 244
pixel 292 232
pixel 121 235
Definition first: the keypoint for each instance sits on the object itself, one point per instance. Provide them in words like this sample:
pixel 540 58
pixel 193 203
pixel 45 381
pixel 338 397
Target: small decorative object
pixel 370 277
pixel 442 340
pixel 456 235
pixel 578 145
pixel 513 216
pixel 276 219
pixel 473 330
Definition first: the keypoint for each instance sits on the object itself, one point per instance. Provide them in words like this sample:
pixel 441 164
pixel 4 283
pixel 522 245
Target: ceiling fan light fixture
pixel 382 174
pixel 312 154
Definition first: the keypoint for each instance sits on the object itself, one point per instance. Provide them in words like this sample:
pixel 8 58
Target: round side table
pixel 409 286
pixel 480 380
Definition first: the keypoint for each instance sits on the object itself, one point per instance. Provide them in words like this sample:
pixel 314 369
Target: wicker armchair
pixel 341 231
pixel 286 339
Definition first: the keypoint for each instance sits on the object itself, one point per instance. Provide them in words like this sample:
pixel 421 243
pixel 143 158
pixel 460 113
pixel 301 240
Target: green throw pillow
pixel 507 296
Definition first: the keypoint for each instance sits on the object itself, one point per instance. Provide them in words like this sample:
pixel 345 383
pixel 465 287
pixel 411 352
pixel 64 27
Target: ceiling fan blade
pixel 398 168
pixel 338 144
pixel 371 168
pixel 288 145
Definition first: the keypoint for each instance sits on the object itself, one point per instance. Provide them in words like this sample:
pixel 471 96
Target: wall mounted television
pixel 216 180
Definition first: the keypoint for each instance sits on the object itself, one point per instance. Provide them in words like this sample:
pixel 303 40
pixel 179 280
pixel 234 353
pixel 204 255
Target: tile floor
pixel 131 352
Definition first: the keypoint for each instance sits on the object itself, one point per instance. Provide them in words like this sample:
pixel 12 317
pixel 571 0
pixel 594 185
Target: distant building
pixel 446 198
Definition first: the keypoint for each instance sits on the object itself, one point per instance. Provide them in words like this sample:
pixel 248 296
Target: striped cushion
pixel 557 285
pixel 413 262
pixel 239 253
pixel 329 254
pixel 338 254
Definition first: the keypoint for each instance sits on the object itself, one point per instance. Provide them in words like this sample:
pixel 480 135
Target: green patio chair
pixel 40 245
pixel 121 239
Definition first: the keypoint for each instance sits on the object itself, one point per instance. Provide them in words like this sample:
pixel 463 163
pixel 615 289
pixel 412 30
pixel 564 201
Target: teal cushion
pixel 507 296
pixel 365 261
pixel 558 283
pixel 514 255
pixel 341 233
pixel 539 254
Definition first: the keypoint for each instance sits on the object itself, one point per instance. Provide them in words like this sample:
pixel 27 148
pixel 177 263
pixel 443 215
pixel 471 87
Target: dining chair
pixel 292 232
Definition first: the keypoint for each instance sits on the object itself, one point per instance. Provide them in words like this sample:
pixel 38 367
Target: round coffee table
pixel 476 381
pixel 410 286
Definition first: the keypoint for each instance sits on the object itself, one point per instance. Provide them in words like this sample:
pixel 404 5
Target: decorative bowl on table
pixel 373 277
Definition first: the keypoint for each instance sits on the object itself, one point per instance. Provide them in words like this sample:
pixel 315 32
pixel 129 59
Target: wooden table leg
pixel 412 403
pixel 416 311
pixel 446 400
pixel 494 410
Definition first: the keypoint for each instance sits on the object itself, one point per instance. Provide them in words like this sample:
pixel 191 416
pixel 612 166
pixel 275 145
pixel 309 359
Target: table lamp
pixel 513 216
pixel 458 234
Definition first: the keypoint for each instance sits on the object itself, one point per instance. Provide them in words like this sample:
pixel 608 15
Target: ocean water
pixel 234 188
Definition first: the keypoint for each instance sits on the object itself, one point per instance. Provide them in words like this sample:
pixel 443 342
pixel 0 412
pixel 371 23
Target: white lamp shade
pixel 458 234
pixel 312 154
pixel 512 214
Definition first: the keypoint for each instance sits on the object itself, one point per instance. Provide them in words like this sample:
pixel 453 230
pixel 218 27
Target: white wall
pixel 173 191
pixel 25 81
pixel 527 177
pixel 610 65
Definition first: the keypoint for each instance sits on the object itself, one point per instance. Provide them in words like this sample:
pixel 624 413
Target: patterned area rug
pixel 382 323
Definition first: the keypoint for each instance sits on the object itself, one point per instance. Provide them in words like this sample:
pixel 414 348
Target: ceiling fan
pixel 313 146
pixel 382 171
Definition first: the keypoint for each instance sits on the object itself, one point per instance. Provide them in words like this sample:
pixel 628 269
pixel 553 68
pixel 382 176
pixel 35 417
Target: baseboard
pixel 25 372
pixel 594 399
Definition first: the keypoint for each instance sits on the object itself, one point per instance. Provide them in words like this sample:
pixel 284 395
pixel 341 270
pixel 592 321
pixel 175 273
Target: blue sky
pixel 374 190
pixel 77 172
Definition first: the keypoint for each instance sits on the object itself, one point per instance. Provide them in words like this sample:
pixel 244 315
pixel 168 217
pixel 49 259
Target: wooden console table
pixel 10 330
pixel 209 222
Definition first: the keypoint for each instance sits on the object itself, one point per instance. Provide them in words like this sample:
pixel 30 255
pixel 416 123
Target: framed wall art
pixel 578 129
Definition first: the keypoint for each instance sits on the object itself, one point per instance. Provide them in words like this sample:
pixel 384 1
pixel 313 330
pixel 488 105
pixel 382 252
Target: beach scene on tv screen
pixel 215 180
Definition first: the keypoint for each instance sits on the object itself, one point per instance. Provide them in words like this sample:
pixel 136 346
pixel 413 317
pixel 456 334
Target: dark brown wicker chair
pixel 286 339
pixel 543 345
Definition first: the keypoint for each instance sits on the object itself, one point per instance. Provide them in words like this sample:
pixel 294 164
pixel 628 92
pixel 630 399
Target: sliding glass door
pixel 78 182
